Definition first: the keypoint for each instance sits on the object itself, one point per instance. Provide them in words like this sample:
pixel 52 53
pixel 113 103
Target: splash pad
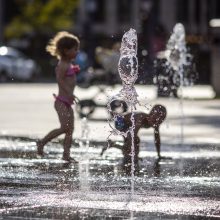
pixel 49 188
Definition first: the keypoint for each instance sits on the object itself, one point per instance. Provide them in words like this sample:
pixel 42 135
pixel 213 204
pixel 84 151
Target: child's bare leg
pixel 54 133
pixel 51 135
pixel 127 149
pixel 67 145
pixel 67 123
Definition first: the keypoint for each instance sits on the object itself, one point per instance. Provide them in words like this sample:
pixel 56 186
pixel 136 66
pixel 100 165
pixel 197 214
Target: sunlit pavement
pixel 186 185
pixel 27 110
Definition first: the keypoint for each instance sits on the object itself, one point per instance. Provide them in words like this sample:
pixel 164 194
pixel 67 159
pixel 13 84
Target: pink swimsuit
pixel 63 99
pixel 72 70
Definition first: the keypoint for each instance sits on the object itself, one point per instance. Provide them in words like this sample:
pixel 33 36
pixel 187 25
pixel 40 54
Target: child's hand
pixel 76 68
pixel 71 99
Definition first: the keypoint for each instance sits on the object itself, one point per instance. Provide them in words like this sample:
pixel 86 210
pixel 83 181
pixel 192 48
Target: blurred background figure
pixel 83 78
pixel 104 68
pixel 108 61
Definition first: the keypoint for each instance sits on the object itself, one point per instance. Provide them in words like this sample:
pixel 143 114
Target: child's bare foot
pixel 40 148
pixel 70 160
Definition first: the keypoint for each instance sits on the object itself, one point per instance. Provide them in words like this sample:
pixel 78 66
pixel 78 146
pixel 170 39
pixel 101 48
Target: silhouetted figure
pixel 64 46
pixel 141 120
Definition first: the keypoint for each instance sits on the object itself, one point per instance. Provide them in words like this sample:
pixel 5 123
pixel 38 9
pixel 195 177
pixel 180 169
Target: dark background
pixel 103 22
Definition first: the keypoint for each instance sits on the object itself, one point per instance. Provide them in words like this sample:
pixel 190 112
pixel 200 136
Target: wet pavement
pixel 186 185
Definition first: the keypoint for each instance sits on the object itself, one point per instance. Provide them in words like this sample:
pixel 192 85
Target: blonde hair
pixel 61 41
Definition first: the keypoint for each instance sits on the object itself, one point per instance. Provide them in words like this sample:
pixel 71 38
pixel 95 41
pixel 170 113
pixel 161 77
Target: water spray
pixel 127 97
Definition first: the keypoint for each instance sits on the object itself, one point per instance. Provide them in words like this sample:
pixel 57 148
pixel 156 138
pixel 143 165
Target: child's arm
pixel 157 140
pixel 111 144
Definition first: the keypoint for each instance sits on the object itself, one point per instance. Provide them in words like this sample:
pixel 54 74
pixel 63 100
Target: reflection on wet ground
pixel 186 186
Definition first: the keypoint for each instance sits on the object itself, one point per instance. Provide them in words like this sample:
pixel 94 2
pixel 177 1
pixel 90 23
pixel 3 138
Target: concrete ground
pixel 184 185
pixel 27 110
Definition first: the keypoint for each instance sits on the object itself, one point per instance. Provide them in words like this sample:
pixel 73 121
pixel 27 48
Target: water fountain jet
pixel 177 64
pixel 179 72
pixel 84 161
pixel 128 72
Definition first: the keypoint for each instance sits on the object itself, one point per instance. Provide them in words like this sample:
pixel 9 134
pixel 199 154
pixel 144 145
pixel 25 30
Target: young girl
pixel 64 46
